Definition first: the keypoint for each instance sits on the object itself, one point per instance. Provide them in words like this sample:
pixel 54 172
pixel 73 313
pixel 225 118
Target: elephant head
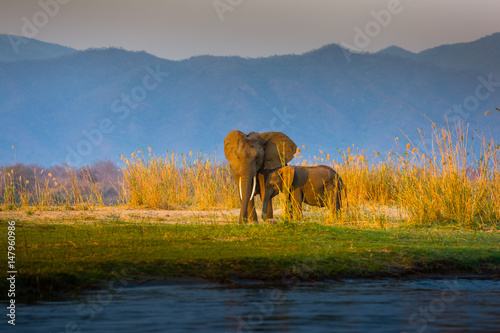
pixel 250 156
pixel 284 179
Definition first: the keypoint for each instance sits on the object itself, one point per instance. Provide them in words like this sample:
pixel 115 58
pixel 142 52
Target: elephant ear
pixel 231 146
pixel 278 150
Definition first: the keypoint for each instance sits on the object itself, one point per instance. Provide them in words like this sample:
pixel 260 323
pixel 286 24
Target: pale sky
pixel 177 29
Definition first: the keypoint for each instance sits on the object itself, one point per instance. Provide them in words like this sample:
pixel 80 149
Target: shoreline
pixel 158 281
pixel 291 283
pixel 59 259
pixel 288 280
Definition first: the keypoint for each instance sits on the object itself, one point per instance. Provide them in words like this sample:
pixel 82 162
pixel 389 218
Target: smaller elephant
pixel 316 185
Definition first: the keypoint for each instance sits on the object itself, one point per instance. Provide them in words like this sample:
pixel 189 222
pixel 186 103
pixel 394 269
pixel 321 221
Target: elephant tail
pixel 342 188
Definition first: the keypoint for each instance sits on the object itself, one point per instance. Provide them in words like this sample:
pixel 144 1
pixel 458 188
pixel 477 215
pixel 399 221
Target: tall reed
pixel 452 179
pixel 23 187
pixel 178 181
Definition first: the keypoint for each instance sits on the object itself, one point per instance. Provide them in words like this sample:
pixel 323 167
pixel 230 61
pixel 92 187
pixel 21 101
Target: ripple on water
pixel 354 306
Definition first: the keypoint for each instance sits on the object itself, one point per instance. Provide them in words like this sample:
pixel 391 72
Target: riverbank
pixel 58 258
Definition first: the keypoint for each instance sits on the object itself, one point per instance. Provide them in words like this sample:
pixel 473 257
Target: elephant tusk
pixel 253 189
pixel 239 187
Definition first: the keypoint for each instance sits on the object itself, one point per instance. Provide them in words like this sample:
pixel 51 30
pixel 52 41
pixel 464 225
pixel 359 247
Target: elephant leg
pixel 269 213
pixel 288 205
pixel 262 187
pixel 335 201
pixel 298 197
pixel 252 213
pixel 338 199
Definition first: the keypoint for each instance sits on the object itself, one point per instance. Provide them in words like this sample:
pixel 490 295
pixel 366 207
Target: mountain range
pixel 59 105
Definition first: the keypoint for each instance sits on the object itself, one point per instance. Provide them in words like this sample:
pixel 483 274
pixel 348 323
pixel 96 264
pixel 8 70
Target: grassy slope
pixel 54 259
pixel 65 258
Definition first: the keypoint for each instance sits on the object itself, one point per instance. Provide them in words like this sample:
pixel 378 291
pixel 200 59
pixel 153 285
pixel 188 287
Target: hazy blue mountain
pixel 481 55
pixel 398 52
pixel 15 48
pixel 103 103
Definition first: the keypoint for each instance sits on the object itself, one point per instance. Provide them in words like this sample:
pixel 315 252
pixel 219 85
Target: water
pixel 433 305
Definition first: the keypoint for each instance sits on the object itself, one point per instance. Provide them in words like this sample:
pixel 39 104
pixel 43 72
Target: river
pixel 423 305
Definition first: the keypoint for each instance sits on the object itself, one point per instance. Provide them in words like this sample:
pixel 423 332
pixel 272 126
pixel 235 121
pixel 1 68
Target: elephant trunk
pixel 246 187
pixel 253 188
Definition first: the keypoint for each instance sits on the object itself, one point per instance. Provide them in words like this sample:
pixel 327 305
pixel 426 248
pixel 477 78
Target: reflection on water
pixel 452 305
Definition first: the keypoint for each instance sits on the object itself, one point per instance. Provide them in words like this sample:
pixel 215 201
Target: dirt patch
pixel 368 217
pixel 113 214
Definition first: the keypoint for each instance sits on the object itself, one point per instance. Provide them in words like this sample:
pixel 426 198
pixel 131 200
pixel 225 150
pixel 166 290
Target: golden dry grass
pixel 452 180
pixel 76 190
pixel 178 181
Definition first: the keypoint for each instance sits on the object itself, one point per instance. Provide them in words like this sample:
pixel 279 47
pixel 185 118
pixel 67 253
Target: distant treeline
pixel 99 183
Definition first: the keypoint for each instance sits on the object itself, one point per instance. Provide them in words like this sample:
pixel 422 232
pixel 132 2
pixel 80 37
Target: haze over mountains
pixel 59 105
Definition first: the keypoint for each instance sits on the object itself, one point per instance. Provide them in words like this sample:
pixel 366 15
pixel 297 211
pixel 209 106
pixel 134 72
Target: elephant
pixel 315 185
pixel 251 157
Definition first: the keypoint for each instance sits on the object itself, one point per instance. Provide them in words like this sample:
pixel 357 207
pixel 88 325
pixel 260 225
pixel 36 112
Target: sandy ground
pixel 110 214
pixel 142 215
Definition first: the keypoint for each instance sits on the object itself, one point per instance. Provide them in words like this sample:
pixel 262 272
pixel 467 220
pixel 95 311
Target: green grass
pixel 55 261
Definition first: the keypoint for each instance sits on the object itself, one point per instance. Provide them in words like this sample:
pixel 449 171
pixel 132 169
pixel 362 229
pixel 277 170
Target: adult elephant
pixel 251 158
